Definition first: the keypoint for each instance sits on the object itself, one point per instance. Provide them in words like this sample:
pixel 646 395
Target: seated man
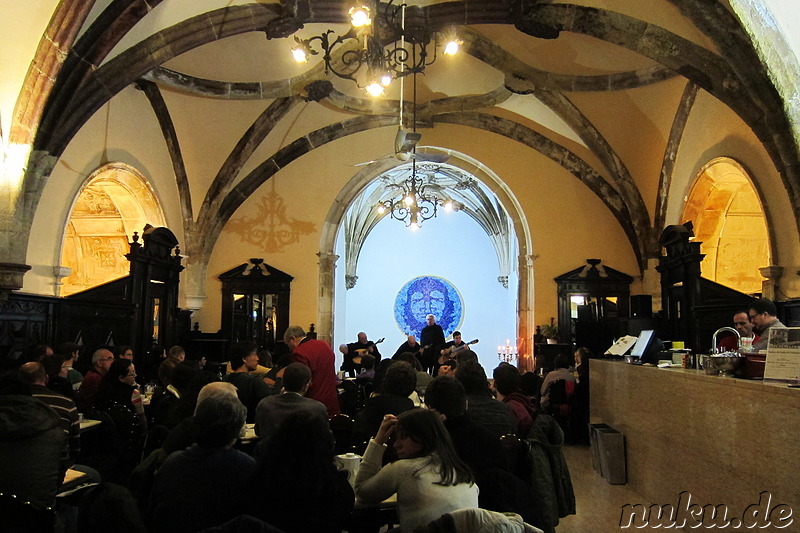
pixel 481 406
pixel 399 383
pixel 251 388
pixel 273 410
pixel 355 351
pixel 31 445
pixel 561 371
pixel 763 315
pixel 35 376
pixel 203 486
pixel 101 362
pixel 507 386
pixel 71 353
pixel 411 345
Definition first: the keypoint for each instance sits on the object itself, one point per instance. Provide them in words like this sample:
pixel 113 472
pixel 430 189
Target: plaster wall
pixel 127 131
pixel 713 131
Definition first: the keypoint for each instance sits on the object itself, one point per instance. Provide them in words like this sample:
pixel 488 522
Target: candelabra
pixel 507 353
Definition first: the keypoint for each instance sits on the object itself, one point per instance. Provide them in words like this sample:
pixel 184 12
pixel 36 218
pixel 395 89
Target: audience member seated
pixel 251 388
pixel 273 410
pixel 57 370
pixel 177 403
pixel 400 382
pixel 115 398
pixel 101 362
pixel 34 375
pixel 204 485
pixel 529 385
pixel 501 490
pixel 484 410
pixel 507 384
pixel 297 487
pixel 423 378
pixel 124 352
pixel 165 392
pixel 177 353
pixel 367 368
pixel 31 445
pixel 185 433
pixel 71 353
pixel 189 381
pixel 429 478
pixel 448 368
pixel 560 372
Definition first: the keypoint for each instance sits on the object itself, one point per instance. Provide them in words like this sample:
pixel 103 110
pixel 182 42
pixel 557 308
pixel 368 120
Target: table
pixel 88 423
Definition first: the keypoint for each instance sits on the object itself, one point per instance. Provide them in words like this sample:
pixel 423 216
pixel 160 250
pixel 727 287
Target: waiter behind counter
pixel 753 323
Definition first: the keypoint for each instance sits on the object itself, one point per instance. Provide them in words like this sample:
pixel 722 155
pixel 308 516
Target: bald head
pixel 33 373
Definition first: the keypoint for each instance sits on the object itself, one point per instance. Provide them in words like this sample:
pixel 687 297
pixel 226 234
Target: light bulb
pixel 448 206
pixel 452 46
pixel 360 16
pixel 408 200
pixel 386 79
pixel 374 89
pixel 381 209
pixel 300 55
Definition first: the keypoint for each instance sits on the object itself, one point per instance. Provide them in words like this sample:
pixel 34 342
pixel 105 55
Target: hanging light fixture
pixel 417 198
pixel 379 47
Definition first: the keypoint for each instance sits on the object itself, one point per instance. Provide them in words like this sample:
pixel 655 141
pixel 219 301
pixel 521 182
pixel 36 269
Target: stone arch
pixel 114 201
pixel 730 222
pixel 328 258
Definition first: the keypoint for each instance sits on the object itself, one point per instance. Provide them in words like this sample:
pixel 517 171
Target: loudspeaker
pixel 642 305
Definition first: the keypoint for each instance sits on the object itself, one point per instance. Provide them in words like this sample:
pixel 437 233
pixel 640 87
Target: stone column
pixel 769 287
pixel 327 281
pixel 525 328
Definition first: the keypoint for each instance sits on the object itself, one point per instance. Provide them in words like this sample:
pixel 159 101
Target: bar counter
pixel 725 440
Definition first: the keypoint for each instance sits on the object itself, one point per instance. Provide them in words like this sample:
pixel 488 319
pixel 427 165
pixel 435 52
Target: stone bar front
pixel 724 440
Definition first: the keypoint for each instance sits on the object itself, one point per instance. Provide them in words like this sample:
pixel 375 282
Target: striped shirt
pixel 66 409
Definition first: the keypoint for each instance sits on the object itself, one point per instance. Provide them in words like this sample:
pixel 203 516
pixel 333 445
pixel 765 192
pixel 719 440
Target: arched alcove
pixel 729 222
pixel 521 293
pixel 115 201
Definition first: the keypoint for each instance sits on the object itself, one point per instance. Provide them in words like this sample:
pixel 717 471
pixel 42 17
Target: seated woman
pixel 429 478
pixel 115 397
pixel 297 487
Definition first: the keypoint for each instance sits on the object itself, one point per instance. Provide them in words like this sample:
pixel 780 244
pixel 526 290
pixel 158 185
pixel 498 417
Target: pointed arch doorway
pixel 392 254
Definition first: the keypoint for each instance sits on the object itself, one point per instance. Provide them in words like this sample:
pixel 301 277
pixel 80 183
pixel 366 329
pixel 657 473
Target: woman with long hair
pixel 116 398
pixel 428 477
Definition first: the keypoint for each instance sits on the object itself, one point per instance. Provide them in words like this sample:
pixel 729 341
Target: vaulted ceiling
pixel 589 84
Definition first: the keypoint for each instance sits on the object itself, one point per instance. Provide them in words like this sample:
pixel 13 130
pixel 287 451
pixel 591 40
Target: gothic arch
pixel 114 201
pixel 730 222
pixel 336 214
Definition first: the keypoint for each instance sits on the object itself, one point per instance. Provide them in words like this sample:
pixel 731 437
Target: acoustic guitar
pixel 453 350
pixel 361 352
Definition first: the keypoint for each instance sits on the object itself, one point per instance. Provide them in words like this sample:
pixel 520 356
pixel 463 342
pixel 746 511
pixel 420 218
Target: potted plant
pixel 550 331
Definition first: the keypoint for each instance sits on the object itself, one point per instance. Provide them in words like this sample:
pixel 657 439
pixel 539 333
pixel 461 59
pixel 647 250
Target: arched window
pixel 729 221
pixel 114 202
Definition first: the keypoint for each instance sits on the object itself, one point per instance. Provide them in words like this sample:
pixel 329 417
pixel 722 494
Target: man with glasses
pixel 762 314
pixel 101 362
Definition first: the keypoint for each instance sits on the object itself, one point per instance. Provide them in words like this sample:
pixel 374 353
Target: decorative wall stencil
pixel 270 228
pixel 426 295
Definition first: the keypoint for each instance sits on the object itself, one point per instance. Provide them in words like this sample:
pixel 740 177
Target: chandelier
pixel 416 199
pixel 379 47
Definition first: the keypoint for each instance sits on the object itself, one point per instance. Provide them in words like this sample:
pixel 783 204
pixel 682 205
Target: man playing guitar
pixel 355 350
pixel 455 348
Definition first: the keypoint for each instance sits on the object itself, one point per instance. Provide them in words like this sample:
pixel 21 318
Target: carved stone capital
pixel 772 272
pixel 11 275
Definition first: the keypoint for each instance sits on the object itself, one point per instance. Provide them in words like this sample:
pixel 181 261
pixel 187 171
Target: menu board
pixel 783 354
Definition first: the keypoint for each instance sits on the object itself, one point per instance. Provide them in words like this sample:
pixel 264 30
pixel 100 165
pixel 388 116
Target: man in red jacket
pixel 318 356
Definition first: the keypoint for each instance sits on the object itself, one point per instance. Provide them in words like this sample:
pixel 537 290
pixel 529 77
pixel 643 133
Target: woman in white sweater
pixel 429 478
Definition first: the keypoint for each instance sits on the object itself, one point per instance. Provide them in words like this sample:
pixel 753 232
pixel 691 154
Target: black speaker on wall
pixel 642 305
